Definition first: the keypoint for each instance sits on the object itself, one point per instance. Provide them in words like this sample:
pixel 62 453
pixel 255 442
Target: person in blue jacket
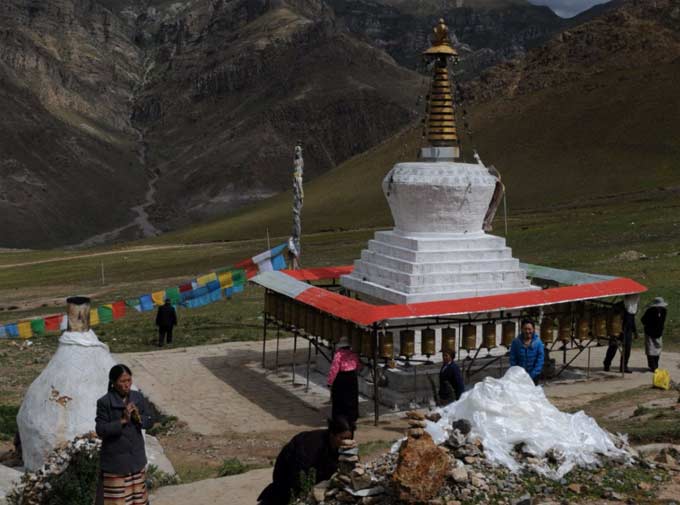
pixel 527 351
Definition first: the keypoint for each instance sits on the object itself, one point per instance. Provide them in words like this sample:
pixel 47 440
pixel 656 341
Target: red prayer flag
pixel 53 323
pixel 185 287
pixel 118 309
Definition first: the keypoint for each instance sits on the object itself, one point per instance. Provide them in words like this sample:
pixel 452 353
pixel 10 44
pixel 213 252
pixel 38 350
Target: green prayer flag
pixel 38 326
pixel 132 302
pixel 173 295
pixel 105 313
pixel 238 276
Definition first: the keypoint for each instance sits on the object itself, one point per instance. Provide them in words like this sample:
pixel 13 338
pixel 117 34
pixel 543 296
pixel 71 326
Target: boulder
pixel 8 478
pixel 421 471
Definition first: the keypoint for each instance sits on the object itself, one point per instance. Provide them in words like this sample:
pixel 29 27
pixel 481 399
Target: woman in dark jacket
pixel 121 415
pixel 451 383
pixel 310 450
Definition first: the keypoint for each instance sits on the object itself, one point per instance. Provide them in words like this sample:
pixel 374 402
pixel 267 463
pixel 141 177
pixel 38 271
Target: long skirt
pixel 653 346
pixel 345 396
pixel 122 489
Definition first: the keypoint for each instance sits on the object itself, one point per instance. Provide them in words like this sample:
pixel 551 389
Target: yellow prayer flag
pixel 205 279
pixel 225 280
pixel 94 317
pixel 24 328
pixel 158 297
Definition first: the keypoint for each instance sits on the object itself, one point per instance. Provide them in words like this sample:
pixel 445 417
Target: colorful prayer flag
pixel 158 297
pixel 38 326
pixel 63 326
pixel 105 313
pixel 213 286
pixel 94 317
pixel 52 323
pixel 229 291
pixel 118 309
pixel 225 279
pixel 185 287
pixel 133 303
pixel 216 295
pixel 12 330
pixel 146 303
pixel 238 288
pixel 3 332
pixel 205 279
pixel 25 329
pixel 238 276
pixel 264 262
pixel 199 301
pixel 173 294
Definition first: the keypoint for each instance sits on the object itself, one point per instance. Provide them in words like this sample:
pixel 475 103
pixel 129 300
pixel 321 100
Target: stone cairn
pixel 34 486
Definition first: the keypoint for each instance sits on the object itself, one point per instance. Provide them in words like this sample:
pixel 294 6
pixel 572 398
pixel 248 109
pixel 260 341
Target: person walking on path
pixel 628 308
pixel 527 351
pixel 653 321
pixel 451 383
pixel 344 383
pixel 166 319
pixel 122 414
pixel 310 454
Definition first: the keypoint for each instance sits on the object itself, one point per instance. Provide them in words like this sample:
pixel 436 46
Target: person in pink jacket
pixel 344 383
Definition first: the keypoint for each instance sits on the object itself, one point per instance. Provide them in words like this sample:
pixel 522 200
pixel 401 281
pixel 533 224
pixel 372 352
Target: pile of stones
pixel 455 473
pixel 35 486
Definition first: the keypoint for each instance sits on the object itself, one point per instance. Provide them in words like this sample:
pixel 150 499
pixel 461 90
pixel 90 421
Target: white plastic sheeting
pixel 512 410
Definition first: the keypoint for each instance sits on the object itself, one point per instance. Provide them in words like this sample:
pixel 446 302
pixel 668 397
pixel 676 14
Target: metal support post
pixel 294 354
pixel 278 337
pixel 309 359
pixel 264 340
pixel 376 390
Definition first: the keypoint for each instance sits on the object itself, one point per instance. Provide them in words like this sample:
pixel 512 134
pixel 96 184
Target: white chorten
pixel 438 249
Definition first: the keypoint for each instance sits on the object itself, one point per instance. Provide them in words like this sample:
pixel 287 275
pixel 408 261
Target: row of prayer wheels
pixel 598 325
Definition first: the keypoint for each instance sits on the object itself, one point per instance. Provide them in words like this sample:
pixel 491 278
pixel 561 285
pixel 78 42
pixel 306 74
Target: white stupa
pixel 61 403
pixel 438 249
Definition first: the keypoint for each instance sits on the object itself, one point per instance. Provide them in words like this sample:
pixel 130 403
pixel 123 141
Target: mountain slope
pixel 591 114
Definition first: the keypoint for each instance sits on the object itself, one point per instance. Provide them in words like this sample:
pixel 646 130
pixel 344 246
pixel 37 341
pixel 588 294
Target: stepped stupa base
pixel 410 268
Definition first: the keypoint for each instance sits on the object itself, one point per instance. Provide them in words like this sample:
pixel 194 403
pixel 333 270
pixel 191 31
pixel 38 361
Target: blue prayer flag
pixel 238 288
pixel 12 330
pixel 146 303
pixel 3 333
pixel 213 285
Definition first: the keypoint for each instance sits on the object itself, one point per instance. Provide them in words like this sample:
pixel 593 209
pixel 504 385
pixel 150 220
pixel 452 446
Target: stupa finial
pixel 440 123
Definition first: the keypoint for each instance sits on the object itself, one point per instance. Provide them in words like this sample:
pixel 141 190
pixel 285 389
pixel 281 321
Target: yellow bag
pixel 662 379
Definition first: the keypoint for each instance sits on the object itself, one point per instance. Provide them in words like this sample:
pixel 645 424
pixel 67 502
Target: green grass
pixel 373 447
pixel 8 421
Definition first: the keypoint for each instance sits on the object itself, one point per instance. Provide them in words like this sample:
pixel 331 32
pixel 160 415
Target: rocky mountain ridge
pixel 119 109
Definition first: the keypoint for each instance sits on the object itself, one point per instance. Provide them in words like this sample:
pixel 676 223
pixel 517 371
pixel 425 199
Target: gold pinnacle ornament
pixel 440 123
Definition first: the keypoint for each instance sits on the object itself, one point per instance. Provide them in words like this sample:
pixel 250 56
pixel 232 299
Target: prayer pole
pixel 298 198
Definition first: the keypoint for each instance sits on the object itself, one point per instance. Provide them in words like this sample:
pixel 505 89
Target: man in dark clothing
pixel 310 452
pixel 451 384
pixel 653 321
pixel 166 319
pixel 629 330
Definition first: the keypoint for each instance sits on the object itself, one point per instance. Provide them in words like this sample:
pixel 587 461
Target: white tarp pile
pixel 510 411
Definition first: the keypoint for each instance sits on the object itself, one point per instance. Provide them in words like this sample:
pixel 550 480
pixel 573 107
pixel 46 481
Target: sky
pixel 568 8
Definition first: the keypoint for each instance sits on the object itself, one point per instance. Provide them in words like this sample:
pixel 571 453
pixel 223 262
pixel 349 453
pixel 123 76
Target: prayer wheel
pixel 489 335
pixel 449 339
pixel 428 342
pixel 367 343
pixel 469 337
pixel 509 333
pixel 564 328
pixel 355 337
pixel 547 329
pixel 327 333
pixel 280 307
pixel 600 325
pixel 78 313
pixel 407 343
pixel 583 328
pixel 336 329
pixel 615 323
pixel 386 344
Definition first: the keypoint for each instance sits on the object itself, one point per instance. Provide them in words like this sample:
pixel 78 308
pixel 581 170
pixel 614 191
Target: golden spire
pixel 440 123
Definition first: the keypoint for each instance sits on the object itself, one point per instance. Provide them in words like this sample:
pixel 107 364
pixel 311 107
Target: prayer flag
pixel 194 284
pixel 196 293
pixel 133 303
pixel 228 292
pixel 105 313
pixel 63 326
pixel 264 262
pixel 25 329
pixel 3 333
pixel 238 276
pixel 94 317
pixel 225 279
pixel 238 288
pixel 12 330
pixel 199 301
pixel 146 303
pixel 173 294
pixel 38 326
pixel 216 295
pixel 118 309
pixel 52 323
pixel 158 297
pixel 213 285
pixel 205 279
pixel 185 287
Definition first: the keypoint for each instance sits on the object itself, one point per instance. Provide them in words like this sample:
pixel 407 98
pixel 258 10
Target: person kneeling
pixel 308 455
